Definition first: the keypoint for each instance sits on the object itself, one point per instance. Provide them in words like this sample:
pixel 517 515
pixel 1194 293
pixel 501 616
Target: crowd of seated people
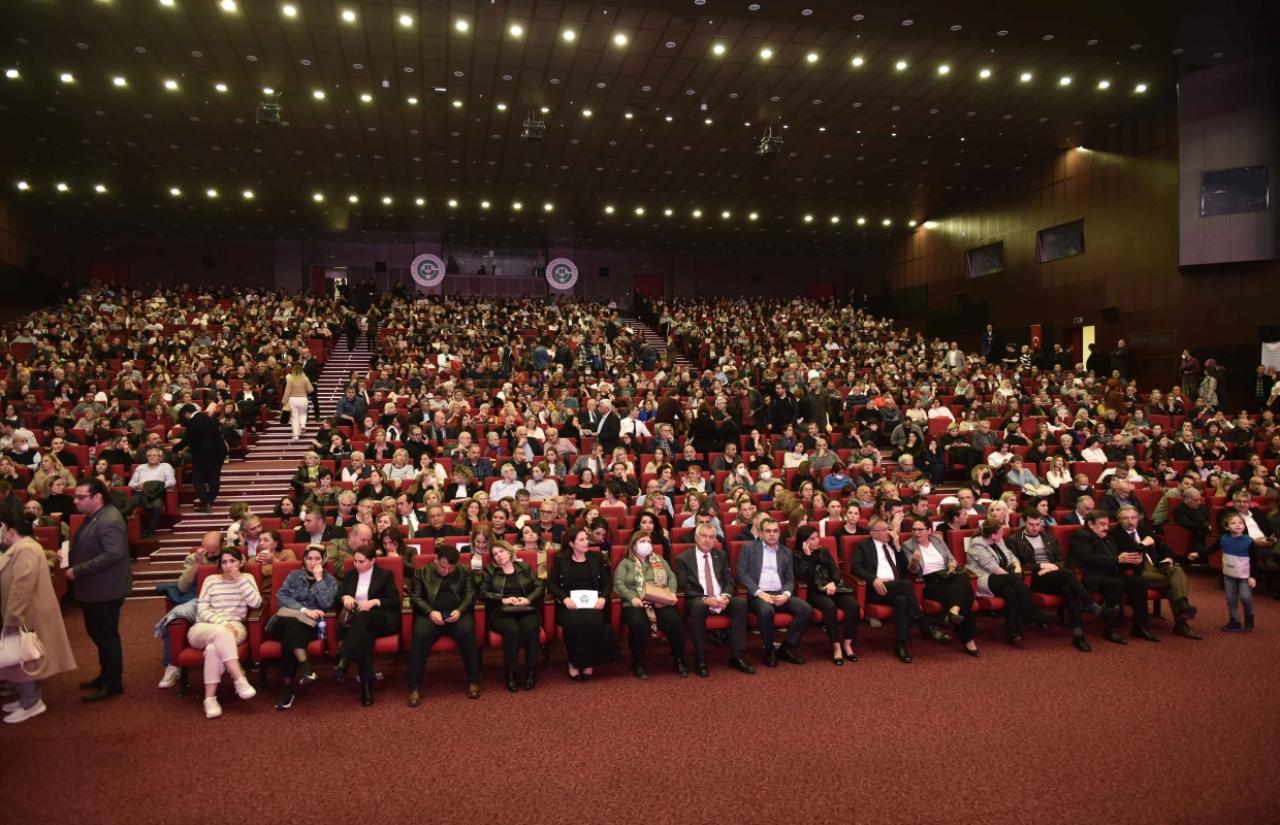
pixel 558 453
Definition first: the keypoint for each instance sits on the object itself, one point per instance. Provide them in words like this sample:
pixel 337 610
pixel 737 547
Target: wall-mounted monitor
pixel 1228 191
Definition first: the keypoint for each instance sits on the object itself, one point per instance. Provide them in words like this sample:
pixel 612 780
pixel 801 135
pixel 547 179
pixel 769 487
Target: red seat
pixel 384 644
pixel 530 558
pixel 406 621
pixel 265 648
pixel 185 656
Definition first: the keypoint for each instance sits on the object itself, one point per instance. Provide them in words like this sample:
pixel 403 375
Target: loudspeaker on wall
pixel 1111 314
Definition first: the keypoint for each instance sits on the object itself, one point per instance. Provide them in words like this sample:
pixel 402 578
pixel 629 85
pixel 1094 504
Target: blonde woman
pixel 297 392
pixel 49 469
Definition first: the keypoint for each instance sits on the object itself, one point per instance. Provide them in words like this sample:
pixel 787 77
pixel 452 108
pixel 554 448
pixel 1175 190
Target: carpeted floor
pixel 1176 732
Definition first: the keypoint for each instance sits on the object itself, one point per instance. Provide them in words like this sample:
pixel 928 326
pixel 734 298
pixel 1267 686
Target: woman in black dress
pixel 512 594
pixel 828 592
pixel 588 637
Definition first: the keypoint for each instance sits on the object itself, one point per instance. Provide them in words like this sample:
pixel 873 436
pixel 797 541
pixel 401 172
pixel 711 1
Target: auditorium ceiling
pixel 139 117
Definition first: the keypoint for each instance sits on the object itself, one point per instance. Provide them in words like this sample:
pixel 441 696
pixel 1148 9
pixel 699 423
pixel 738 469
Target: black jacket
pixel 819 570
pixel 866 562
pixel 494 582
pixel 599 562
pixel 426 585
pixel 1027 554
pixel 203 437
pixel 1094 555
pixel 381 587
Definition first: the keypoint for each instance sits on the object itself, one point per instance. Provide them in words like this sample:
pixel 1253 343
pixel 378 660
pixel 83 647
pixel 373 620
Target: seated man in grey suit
pixel 765 569
pixel 706 583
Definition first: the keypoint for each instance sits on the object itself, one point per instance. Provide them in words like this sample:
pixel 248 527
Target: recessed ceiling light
pixel 517 206
pixel 318 94
pixel 1025 77
pixel 353 198
pixel 12 74
pixel 23 186
pixel 453 204
pixel 119 81
pixel 405 20
pixel 628 115
pixel 1104 84
pixel 857 61
pixel 619 39
pixel 67 77
pixel 318 197
pixel 1065 80
pixel 835 219
pixel 719 49
pixel 726 214
pixel 502 107
pixel 175 191
pixel 766 53
pixel 516 30
pixel 548 207
pixel 211 193
pixel 386 200
pixel 167 3
pixel 412 101
pixel 289 10
pixel 220 87
pixel 247 194
pixel 668 118
pixel 862 221
pixel 697 213
pixel 984 74
pixel 484 204
pixel 808 218
pixel 569 35
pixel 545 110
pixel 753 216
pixel 267 90
pixel 811 57
pixel 586 113
pixel 420 201
pixel 639 211
pixel 930 224
pixel 228 6
pixel 457 104
pixel 944 69
pixel 366 98
pixel 901 65
pixel 62 187
pixel 171 85
pixel 461 25
pixel 348 16
pixel 708 121
pixel 886 222
pixel 608 210
pixel 668 211
pixel 911 223
pixel 1140 88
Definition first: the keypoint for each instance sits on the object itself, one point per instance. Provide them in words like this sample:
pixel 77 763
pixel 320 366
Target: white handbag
pixel 18 646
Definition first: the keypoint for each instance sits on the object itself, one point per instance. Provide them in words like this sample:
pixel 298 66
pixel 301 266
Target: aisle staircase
pixel 655 340
pixel 260 478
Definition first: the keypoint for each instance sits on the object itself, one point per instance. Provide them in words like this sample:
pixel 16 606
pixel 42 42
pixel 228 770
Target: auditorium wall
pixel 1125 188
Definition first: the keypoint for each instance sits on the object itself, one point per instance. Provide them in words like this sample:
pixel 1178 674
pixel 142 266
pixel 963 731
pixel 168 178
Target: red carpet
pixel 1139 734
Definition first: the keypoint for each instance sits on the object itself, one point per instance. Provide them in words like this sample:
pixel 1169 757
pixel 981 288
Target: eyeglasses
pixel 78 496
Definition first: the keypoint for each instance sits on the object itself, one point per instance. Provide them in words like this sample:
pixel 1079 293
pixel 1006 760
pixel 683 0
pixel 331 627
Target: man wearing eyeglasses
pixel 98 566
pixel 880 563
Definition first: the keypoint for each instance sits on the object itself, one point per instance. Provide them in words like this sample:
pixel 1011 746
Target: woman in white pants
pixel 225 600
pixel 297 394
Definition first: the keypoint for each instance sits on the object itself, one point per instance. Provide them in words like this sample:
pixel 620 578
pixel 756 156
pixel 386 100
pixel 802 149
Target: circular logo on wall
pixel 562 273
pixel 427 270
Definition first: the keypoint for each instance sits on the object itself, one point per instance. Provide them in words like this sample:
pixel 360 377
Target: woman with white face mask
pixel 639 580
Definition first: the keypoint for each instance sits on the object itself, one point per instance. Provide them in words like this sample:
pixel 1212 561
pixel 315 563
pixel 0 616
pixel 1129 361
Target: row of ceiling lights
pixel 213 193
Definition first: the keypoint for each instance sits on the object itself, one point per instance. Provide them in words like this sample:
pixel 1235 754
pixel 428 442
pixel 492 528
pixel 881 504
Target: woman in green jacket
pixel 645 615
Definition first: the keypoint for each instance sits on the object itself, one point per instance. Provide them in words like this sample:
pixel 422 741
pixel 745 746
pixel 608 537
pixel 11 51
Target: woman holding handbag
pixel 512 594
pixel 828 592
pixel 30 607
pixel 646 585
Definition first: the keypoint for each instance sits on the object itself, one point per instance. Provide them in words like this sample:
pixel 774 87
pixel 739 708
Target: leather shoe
pixel 770 658
pixel 366 694
pixel 1145 635
pixel 639 671
pixel 700 668
pixel 974 652
pixel 1189 612
pixel 102 692
pixel 340 669
pixel 740 664
pixel 511 682
pixel 92 684
pixel 1184 630
pixel 938 636
pixel 903 656
pixel 787 654
pixel 530 678
pixel 678 666
pixel 473 690
pixel 1081 644
pixel 1112 636
pixel 838 660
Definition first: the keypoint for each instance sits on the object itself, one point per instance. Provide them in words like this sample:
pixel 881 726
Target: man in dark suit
pixel 1095 553
pixel 707 586
pixel 315 530
pixel 987 344
pixel 765 569
pixel 377 614
pixel 99 571
pixel 1077 517
pixel 883 569
pixel 1192 514
pixel 609 428
pixel 208 453
pixel 1156 567
pixel 435 528
pixel 1038 550
pixel 444 600
pixel 439 432
pixel 1184 449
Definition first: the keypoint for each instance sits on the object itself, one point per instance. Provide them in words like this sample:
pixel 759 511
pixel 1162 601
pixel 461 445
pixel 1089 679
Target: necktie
pixel 706 574
pixel 884 548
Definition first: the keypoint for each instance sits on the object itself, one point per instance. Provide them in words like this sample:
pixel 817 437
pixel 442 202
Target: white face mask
pixel 924 491
pixel 766 474
pixel 643 549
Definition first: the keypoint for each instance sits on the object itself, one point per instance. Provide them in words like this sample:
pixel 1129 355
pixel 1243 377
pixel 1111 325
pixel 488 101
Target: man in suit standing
pixel 765 569
pixel 208 453
pixel 707 585
pixel 609 429
pixel 987 344
pixel 1094 551
pixel 98 567
pixel 1156 567
pixel 884 569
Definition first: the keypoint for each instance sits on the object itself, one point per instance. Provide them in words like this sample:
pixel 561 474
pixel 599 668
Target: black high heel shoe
pixel 511 681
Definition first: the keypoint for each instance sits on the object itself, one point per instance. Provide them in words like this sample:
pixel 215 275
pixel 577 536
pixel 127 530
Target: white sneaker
pixel 21 715
pixel 12 706
pixel 170 678
pixel 212 710
pixel 244 690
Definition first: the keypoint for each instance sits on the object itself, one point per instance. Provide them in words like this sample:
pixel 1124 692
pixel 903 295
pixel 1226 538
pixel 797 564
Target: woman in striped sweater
pixel 225 600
